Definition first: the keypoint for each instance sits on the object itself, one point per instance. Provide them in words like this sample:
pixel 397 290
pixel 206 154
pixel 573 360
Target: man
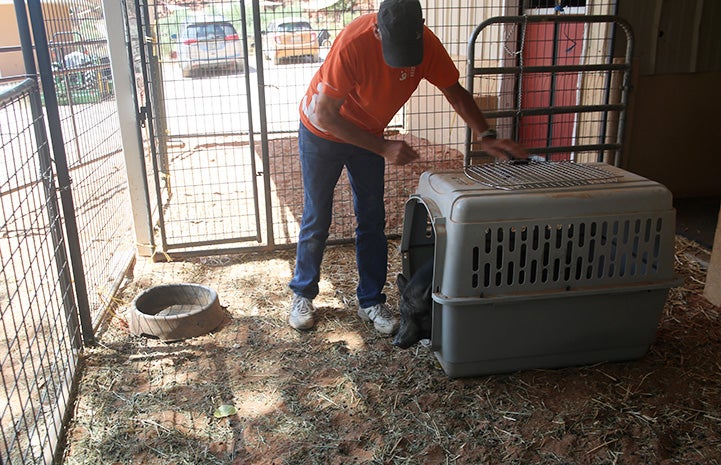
pixel 374 66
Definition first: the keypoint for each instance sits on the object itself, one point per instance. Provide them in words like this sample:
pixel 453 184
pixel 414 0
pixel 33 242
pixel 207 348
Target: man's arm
pixel 462 102
pixel 327 116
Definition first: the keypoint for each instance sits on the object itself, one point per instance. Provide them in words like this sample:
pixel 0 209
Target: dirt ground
pixel 342 394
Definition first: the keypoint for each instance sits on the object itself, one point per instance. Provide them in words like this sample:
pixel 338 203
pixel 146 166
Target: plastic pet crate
pixel 541 264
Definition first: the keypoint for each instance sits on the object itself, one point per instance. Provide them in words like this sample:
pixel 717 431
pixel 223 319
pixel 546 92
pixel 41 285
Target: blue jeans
pixel 322 162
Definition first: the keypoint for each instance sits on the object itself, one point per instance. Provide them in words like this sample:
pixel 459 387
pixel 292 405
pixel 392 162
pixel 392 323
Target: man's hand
pixel 397 152
pixel 462 102
pixel 503 149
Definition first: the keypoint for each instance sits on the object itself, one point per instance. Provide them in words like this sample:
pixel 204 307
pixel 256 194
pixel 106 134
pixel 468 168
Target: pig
pixel 415 306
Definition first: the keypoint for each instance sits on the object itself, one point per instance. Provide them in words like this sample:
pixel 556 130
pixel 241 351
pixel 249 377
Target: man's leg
pixel 321 165
pixel 366 174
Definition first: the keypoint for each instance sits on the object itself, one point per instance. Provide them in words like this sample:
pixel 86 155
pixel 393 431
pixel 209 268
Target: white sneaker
pixel 301 313
pixel 382 318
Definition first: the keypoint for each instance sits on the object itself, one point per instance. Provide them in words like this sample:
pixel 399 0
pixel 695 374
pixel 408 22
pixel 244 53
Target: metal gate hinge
pixel 143 116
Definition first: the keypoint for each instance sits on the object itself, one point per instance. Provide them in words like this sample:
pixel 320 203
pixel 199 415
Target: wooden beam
pixel 712 290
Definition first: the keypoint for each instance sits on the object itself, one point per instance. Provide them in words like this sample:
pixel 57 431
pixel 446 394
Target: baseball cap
pixel 400 23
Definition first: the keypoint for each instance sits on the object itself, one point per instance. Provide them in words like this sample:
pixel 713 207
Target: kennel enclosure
pixel 540 264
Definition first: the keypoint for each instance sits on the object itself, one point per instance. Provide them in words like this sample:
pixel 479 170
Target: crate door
pixel 550 44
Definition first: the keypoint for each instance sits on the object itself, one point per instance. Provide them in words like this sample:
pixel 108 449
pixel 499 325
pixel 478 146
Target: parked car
pixel 208 43
pixel 290 38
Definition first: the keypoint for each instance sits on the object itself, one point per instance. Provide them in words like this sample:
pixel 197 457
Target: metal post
pixel 258 38
pixel 140 13
pixel 132 140
pixel 251 140
pixel 157 96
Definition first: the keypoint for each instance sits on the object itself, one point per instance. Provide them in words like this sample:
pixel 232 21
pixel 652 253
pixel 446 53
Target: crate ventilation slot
pixel 531 174
pixel 577 253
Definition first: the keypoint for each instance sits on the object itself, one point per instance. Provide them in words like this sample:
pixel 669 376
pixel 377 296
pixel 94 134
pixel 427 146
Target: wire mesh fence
pixel 40 339
pixel 41 271
pixel 89 131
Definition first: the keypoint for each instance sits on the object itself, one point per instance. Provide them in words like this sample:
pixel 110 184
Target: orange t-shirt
pixel 373 91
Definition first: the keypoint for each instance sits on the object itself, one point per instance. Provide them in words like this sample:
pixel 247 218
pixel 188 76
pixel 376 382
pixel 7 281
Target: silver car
pixel 209 43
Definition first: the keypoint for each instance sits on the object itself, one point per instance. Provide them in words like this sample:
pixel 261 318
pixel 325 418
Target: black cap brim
pixel 402 54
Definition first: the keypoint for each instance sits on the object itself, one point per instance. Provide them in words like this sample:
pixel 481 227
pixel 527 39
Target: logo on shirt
pixel 407 72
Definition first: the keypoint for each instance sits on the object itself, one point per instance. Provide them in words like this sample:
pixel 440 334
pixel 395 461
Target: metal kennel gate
pixel 558 84
pixel 203 152
pixel 225 173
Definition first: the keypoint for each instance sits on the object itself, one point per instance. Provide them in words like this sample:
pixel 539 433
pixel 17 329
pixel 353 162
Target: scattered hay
pixel 342 394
